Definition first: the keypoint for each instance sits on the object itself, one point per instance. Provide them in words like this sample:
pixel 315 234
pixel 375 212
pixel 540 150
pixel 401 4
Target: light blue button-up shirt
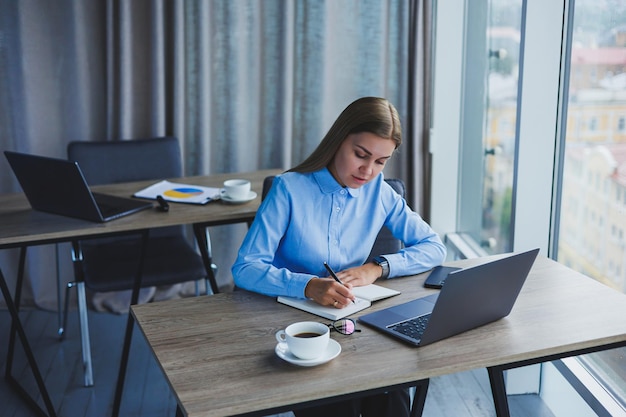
pixel 308 219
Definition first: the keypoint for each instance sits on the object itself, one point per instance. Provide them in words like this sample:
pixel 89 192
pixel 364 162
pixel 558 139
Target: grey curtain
pixel 243 84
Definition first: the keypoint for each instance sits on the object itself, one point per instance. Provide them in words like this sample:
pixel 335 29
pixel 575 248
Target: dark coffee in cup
pixel 306 334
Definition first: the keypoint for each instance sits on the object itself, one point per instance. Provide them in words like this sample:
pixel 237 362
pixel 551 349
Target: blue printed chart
pixel 183 192
pixel 180 193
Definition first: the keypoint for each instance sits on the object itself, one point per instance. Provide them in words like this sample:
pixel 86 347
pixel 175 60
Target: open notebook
pixel 364 297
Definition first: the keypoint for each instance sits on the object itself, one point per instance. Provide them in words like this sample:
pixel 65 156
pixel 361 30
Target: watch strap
pixel 384 264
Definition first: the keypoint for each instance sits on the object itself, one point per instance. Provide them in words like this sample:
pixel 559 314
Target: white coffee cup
pixel 237 189
pixel 305 339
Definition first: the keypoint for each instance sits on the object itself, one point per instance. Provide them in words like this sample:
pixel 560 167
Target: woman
pixel 330 209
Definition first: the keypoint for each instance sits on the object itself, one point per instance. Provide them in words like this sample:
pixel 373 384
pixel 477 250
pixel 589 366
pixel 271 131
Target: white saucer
pixel 251 196
pixel 332 351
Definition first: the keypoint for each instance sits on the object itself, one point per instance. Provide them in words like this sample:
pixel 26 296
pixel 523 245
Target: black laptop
pixel 471 297
pixel 58 186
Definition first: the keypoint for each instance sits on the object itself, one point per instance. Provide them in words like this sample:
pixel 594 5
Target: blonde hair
pixel 367 114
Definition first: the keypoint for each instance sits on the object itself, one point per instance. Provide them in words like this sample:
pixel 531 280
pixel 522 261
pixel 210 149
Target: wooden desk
pixel 22 227
pixel 227 365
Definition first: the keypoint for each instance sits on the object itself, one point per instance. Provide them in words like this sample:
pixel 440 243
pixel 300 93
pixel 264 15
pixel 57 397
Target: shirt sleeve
pixel 254 270
pixel 423 248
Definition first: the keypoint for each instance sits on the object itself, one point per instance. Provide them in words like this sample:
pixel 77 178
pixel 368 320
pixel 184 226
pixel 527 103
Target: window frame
pixel 537 114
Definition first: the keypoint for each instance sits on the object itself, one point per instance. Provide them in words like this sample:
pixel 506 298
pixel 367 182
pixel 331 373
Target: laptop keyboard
pixel 107 209
pixel 413 328
pixel 113 207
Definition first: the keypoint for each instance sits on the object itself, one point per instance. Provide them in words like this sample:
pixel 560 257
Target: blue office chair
pixel 385 241
pixel 111 263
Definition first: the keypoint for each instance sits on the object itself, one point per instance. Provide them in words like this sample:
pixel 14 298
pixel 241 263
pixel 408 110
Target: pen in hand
pixel 332 274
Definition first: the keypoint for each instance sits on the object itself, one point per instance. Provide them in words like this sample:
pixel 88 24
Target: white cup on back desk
pixel 237 189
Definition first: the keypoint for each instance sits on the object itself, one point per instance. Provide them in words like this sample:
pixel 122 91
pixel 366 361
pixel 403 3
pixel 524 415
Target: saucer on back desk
pixel 251 196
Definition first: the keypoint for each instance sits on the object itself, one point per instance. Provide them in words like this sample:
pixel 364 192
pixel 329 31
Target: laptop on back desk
pixel 470 298
pixel 58 186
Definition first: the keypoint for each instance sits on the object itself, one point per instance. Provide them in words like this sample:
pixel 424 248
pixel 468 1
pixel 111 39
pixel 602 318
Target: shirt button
pixel 337 208
pixel 343 192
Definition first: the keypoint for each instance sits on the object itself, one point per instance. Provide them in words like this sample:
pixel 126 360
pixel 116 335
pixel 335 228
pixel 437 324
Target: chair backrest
pixel 385 242
pixel 130 160
pixel 267 184
pixel 127 160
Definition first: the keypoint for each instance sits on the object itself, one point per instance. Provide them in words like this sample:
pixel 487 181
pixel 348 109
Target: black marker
pixel 163 205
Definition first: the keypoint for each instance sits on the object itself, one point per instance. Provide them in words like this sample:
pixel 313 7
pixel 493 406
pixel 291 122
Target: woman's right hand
pixel 328 292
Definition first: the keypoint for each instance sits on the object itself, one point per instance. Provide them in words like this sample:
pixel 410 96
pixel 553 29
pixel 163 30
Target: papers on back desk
pixel 180 193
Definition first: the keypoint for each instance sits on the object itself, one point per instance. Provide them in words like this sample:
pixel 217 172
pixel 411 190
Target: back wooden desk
pixel 218 355
pixel 21 227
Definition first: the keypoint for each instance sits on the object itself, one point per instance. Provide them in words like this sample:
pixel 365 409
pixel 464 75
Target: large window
pixel 504 20
pixel 490 85
pixel 592 217
pixel 539 161
pixel 488 120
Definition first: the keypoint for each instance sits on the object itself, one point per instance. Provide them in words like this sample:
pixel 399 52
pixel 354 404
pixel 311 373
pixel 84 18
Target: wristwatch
pixel 384 264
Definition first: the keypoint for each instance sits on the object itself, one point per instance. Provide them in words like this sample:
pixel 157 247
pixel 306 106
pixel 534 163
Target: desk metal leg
pixel 59 292
pixel 84 335
pixel 204 243
pixel 119 389
pixel 16 304
pixel 498 391
pixel 419 400
pixel 79 283
pixel 16 327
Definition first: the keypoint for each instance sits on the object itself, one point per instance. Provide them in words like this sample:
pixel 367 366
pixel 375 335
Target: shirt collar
pixel 328 184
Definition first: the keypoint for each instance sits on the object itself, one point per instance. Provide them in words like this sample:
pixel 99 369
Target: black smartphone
pixel 438 276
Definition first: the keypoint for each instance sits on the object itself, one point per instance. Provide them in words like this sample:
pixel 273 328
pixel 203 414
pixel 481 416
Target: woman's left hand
pixel 360 275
